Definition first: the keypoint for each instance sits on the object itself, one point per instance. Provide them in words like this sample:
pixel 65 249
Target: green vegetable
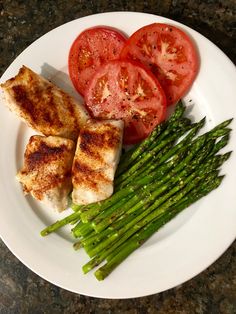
pixel 190 198
pixel 134 242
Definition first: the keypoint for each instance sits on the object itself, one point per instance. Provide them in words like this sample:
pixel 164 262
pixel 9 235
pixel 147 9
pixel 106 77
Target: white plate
pixel 184 247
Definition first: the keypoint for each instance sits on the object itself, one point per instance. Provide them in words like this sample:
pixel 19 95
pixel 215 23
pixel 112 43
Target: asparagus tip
pixel 229 120
pixel 228 154
pixel 226 137
pixel 203 120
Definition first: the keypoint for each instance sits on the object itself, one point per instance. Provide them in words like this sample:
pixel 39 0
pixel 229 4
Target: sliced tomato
pixel 91 48
pixel 127 90
pixel 169 53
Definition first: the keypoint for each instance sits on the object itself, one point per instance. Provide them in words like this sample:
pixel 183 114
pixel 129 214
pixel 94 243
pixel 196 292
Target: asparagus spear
pixel 190 181
pixel 198 192
pixel 122 252
pixel 211 163
pixel 220 144
pixel 222 125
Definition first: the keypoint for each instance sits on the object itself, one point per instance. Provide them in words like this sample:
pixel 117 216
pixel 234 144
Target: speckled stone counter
pixel 21 291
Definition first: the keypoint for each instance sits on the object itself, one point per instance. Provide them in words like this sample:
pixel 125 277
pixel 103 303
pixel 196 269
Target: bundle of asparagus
pixel 155 181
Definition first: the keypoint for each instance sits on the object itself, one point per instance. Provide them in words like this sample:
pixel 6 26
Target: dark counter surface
pixel 21 291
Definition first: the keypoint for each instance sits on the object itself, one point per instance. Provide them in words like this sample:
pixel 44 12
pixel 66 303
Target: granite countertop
pixel 22 291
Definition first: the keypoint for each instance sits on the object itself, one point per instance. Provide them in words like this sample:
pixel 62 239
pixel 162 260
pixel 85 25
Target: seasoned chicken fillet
pixel 96 158
pixel 46 173
pixel 43 106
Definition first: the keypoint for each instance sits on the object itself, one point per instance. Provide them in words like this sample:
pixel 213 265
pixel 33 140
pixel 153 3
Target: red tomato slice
pixel 126 90
pixel 91 48
pixel 169 53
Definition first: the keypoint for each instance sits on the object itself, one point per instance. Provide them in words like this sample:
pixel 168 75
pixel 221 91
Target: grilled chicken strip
pixel 43 106
pixel 46 173
pixel 97 155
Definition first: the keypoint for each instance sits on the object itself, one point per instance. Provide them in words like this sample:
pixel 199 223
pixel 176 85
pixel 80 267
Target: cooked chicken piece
pixel 43 106
pixel 46 173
pixel 96 158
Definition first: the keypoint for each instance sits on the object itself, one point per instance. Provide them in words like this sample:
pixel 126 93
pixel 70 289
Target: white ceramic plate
pixel 184 247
